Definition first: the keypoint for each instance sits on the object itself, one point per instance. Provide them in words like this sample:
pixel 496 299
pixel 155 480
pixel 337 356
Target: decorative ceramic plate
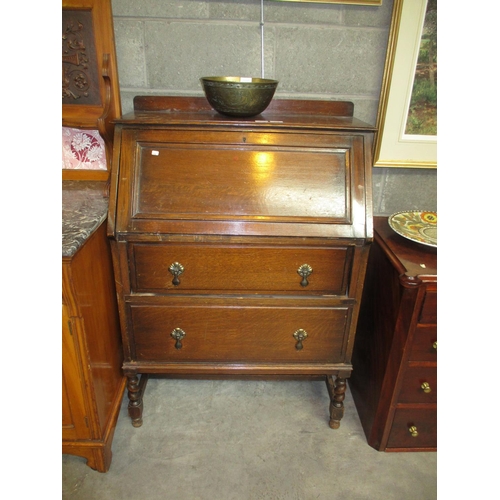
pixel 416 226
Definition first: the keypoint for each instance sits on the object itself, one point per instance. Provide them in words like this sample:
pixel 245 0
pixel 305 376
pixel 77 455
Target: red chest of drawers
pixel 394 382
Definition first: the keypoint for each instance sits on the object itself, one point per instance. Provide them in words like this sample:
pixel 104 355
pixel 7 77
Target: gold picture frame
pixel 373 3
pixel 393 146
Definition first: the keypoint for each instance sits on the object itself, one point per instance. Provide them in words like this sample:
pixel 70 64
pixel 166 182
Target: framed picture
pixel 347 2
pixel 407 115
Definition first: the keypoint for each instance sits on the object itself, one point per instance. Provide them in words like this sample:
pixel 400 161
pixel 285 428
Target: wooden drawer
pixel 424 345
pixel 240 268
pixel 425 421
pixel 428 314
pixel 411 389
pixel 232 332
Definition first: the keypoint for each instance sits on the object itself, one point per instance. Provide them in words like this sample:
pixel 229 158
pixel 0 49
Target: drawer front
pixel 424 345
pixel 425 434
pixel 235 334
pixel 419 385
pixel 243 268
pixel 429 308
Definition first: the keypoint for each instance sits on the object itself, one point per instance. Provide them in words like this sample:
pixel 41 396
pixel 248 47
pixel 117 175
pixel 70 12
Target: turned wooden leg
pixel 135 393
pixel 336 390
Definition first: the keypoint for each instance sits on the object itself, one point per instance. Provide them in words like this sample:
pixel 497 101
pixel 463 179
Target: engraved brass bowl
pixel 238 96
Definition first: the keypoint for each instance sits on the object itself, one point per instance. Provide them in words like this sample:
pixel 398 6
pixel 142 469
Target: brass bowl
pixel 238 96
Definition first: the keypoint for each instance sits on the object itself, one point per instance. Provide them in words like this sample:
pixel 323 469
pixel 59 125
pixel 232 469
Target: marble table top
pixel 84 208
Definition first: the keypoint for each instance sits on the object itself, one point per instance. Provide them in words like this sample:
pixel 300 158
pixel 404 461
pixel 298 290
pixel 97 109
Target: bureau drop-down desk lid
pixel 292 171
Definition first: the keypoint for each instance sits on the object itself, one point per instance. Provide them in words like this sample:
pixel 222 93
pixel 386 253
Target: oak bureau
pixel 240 245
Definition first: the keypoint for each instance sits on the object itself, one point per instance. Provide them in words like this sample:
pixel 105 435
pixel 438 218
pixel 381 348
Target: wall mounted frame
pixel 393 147
pixel 347 2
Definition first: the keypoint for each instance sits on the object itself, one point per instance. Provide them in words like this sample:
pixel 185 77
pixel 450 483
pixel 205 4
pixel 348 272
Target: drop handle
pixel 300 335
pixel 413 431
pixel 304 272
pixel 426 387
pixel 176 269
pixel 435 345
pixel 178 334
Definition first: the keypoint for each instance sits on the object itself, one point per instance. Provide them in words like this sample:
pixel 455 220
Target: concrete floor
pixel 247 440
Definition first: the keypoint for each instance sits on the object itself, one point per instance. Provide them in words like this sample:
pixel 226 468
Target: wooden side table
pixel 92 381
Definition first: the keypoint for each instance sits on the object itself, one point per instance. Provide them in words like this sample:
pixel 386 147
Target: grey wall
pixel 316 51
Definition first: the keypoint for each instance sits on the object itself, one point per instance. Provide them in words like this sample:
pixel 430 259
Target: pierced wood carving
pixel 80 84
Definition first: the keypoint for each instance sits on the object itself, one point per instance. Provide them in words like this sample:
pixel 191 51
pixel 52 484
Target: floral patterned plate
pixel 416 226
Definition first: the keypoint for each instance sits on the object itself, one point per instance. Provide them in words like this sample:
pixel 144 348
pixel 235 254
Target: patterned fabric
pixel 82 149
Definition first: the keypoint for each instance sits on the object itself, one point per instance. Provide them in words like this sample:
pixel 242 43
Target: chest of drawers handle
pixel 426 387
pixel 435 345
pixel 178 334
pixel 300 335
pixel 304 271
pixel 413 431
pixel 176 270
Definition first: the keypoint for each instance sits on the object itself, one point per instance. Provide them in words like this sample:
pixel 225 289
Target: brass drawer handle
pixel 435 345
pixel 300 335
pixel 426 387
pixel 413 431
pixel 178 334
pixel 304 271
pixel 176 270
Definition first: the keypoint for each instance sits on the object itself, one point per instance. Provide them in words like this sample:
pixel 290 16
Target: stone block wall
pixel 315 50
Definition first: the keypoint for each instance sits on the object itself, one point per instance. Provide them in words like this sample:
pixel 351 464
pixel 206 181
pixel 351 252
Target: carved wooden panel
pixel 90 87
pixel 80 72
